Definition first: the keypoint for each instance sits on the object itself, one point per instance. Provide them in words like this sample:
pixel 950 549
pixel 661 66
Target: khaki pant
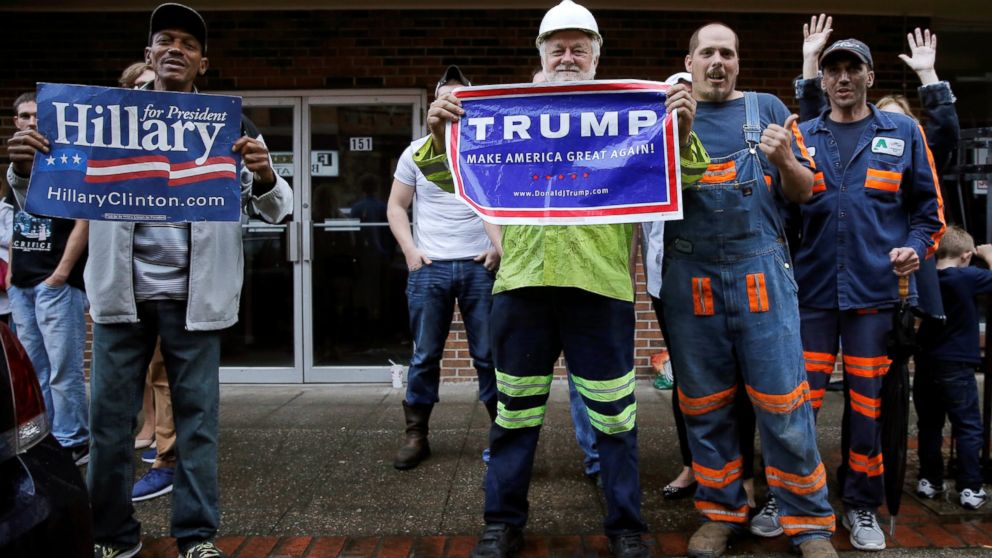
pixel 165 427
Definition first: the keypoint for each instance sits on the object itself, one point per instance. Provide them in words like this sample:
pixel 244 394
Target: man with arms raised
pixel 875 214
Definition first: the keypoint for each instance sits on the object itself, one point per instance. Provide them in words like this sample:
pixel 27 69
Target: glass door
pixel 355 275
pixel 266 343
pixel 324 292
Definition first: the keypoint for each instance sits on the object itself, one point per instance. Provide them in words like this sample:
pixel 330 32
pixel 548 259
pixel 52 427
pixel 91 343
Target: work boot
pixel 629 546
pixel 491 408
pixel 498 540
pixel 710 540
pixel 817 548
pixel 416 448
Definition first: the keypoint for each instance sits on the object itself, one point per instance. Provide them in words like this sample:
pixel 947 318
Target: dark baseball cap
pixel 452 72
pixel 851 46
pixel 178 16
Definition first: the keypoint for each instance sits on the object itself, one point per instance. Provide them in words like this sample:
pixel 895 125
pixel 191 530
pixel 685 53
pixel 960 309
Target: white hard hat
pixel 674 79
pixel 568 15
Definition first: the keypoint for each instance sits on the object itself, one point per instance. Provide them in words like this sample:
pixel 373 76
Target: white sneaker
pixel 766 523
pixel 973 500
pixel 924 489
pixel 865 532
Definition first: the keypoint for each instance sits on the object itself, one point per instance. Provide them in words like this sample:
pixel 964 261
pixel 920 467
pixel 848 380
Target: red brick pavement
pixel 915 532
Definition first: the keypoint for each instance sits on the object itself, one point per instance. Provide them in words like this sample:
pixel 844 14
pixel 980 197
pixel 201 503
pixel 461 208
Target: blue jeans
pixel 51 325
pixel 121 354
pixel 945 388
pixel 431 293
pixel 584 434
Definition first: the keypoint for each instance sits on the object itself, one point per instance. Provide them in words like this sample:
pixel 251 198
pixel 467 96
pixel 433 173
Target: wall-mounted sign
pixel 282 162
pixel 325 163
pixel 361 144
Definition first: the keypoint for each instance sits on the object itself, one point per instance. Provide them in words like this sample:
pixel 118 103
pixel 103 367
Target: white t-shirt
pixel 444 228
pixel 653 250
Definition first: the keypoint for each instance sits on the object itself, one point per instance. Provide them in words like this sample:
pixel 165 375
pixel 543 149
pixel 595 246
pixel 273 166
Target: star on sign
pixel 76 159
pixel 50 160
pixel 64 158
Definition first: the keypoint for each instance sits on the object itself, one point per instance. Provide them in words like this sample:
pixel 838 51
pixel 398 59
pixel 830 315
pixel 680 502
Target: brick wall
pixel 392 49
pixel 388 48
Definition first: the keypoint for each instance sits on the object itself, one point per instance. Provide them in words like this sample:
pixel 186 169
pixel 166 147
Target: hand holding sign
pixel 22 147
pixel 446 108
pixel 776 142
pixel 680 101
pixel 255 155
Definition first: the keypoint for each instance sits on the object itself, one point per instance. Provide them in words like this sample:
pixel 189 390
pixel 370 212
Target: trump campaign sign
pixel 567 153
pixel 136 155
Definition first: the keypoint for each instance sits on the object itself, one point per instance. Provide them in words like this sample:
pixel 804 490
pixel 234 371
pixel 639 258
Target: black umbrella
pixel 895 401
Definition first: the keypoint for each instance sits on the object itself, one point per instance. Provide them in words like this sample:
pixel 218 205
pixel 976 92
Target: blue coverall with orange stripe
pixel 730 303
pixel 885 197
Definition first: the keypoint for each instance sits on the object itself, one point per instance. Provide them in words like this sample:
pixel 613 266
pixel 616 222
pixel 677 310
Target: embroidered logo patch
pixel 888 146
pixel 812 151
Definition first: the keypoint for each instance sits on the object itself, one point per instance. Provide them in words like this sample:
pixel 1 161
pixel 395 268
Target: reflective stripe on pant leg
pixel 598 341
pixel 820 334
pixel 611 392
pixel 718 512
pixel 518 387
pixel 816 364
pixel 770 352
pixel 718 478
pixel 694 406
pixel 864 338
pixel 796 524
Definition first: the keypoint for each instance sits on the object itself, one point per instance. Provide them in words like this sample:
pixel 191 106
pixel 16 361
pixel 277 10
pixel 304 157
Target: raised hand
pixel 923 46
pixel 815 35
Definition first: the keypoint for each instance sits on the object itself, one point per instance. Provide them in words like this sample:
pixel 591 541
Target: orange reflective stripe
pixel 871 466
pixel 795 524
pixel 819 183
pixel 702 296
pixel 797 484
pixel 780 404
pixel 816 397
pixel 718 512
pixel 871 408
pixel 757 295
pixel 717 173
pixel 718 478
pixel 883 180
pixel 867 367
pixel 801 142
pixel 768 182
pixel 940 199
pixel 700 405
pixel 820 362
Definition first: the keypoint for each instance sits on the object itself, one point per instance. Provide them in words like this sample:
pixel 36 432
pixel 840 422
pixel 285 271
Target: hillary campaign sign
pixel 136 155
pixel 567 153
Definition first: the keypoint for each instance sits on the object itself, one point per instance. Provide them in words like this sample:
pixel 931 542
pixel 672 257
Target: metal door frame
pixel 300 237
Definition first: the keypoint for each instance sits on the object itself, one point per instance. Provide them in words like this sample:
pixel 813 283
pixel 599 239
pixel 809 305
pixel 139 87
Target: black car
pixel 44 506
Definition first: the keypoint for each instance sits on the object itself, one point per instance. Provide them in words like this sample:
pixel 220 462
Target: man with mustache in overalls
pixel 730 298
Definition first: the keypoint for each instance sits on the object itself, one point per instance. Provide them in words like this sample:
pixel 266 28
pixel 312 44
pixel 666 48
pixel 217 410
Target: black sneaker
pixel 628 546
pixel 108 551
pixel 498 540
pixel 205 549
pixel 80 454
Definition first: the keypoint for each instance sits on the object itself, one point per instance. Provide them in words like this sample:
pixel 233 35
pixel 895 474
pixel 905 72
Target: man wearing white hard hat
pixel 563 288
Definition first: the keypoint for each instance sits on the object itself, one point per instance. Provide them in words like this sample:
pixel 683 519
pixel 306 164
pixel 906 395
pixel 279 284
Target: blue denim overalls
pixel 730 300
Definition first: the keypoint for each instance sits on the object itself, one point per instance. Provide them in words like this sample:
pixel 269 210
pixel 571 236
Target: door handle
pixel 293 241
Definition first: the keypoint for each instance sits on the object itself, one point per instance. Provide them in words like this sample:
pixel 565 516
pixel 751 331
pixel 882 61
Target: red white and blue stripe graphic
pixel 157 166
pixel 621 175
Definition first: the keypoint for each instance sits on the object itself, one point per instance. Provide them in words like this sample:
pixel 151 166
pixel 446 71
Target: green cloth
pixel 594 258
